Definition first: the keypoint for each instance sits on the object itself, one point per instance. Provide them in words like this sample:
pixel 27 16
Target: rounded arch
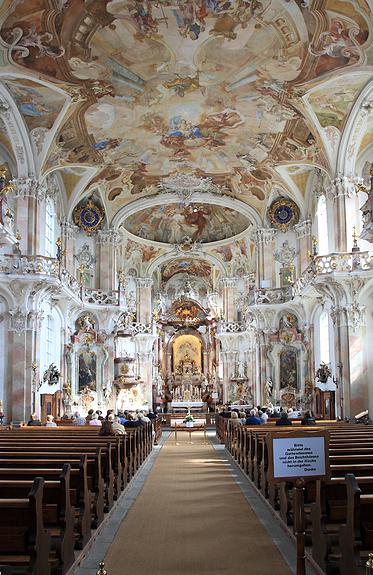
pixel 162 259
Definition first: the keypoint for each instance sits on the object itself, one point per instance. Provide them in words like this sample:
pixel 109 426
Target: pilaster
pixel 264 240
pixel 303 234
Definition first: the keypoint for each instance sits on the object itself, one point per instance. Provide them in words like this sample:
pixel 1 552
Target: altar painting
pixel 87 366
pixel 132 398
pixel 187 354
pixel 288 369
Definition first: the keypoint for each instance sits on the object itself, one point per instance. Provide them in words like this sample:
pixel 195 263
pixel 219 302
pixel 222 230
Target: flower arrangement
pixel 188 418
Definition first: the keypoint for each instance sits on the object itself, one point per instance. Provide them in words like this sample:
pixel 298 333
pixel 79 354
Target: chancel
pixel 186 244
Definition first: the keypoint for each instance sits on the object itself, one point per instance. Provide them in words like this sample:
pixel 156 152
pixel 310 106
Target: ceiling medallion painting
pixel 172 223
pixel 191 266
pixel 89 217
pixel 283 213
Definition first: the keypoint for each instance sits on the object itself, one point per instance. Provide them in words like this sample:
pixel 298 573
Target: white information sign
pixel 298 457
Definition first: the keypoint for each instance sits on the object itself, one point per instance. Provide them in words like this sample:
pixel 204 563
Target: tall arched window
pixel 50 220
pixel 322 226
pixel 50 338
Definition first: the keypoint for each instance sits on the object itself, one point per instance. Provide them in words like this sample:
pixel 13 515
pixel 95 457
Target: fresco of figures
pixel 218 87
pixel 172 223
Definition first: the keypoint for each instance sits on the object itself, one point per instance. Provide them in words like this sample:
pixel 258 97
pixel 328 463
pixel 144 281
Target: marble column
pixel 22 353
pixel 264 240
pixel 303 234
pixel 68 239
pixel 341 195
pixel 29 199
pixel 144 300
pixel 342 360
pixel 107 241
pixel 229 299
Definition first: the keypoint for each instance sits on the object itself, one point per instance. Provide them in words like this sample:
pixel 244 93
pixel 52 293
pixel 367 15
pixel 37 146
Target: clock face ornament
pixel 283 213
pixel 89 217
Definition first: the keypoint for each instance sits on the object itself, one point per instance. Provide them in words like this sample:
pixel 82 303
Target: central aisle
pixel 191 518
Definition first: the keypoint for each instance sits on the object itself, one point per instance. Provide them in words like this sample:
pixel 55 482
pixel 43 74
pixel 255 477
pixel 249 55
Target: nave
pixel 193 515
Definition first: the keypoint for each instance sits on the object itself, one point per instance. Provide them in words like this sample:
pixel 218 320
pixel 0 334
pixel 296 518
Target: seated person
pixel 284 419
pixel 253 418
pixel 117 427
pixel 106 428
pixel 95 420
pixel 34 420
pixel 131 421
pixel 234 418
pixel 50 421
pixel 78 419
pixel 308 419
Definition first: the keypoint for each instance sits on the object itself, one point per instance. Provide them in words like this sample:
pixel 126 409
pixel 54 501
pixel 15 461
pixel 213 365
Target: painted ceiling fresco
pixel 252 94
pixel 173 223
pixel 191 266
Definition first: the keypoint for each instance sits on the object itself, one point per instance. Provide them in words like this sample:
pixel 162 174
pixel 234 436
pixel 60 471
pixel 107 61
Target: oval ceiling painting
pixel 174 223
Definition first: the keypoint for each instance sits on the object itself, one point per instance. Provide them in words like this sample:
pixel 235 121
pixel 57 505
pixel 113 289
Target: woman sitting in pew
pixel 50 421
pixel 106 428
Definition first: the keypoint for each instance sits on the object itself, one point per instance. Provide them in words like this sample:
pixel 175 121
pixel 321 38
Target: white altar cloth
pixel 186 404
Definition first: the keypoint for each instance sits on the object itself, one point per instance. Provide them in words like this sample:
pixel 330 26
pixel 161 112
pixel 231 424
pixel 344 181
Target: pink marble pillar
pixel 265 270
pixel 229 299
pixel 303 234
pixel 107 241
pixel 68 239
pixel 340 191
pixel 342 360
pixel 144 300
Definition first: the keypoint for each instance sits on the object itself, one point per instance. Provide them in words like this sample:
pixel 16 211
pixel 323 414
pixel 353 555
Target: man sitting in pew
pixel 284 419
pixel 308 419
pixel 34 420
pixel 253 418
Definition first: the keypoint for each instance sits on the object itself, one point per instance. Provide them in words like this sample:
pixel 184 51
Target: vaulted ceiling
pixel 243 98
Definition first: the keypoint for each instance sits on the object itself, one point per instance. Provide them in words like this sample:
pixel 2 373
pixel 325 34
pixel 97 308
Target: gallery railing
pixel 336 263
pixel 51 268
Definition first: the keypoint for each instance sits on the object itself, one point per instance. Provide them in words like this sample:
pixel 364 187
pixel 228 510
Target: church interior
pixel 186 230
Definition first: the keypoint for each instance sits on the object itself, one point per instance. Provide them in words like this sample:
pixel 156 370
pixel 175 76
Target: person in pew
pixel 235 419
pixel 275 414
pixel 264 415
pixel 106 428
pixel 50 421
pixel 284 419
pixel 141 416
pixel 109 412
pixel 78 419
pixel 152 415
pixel 131 421
pixel 34 420
pixel 89 416
pixel 253 418
pixel 95 420
pixel 308 419
pixel 100 416
pixel 117 427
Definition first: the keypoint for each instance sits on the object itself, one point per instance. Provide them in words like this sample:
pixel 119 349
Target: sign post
pixel 295 456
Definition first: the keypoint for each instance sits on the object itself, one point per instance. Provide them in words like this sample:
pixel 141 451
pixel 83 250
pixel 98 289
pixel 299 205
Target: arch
pixel 197 197
pixel 162 259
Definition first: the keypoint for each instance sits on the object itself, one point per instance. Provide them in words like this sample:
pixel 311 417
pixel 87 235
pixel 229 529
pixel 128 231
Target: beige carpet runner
pixel 192 519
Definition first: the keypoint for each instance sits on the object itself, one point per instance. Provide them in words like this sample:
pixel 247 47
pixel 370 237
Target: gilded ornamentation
pixel 283 213
pixel 89 217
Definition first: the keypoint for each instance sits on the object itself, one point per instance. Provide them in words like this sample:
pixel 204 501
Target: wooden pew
pixel 24 543
pixel 58 514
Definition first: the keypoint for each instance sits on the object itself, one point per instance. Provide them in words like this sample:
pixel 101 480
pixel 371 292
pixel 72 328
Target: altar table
pixel 187 404
pixel 183 427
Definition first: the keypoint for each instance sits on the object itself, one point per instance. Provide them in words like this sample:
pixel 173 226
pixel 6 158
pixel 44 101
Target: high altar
pixel 187 382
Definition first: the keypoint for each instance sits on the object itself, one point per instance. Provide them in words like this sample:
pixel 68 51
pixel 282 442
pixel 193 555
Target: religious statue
pixel 1 412
pixel 51 375
pixel 86 323
pixel 107 389
pixel 323 373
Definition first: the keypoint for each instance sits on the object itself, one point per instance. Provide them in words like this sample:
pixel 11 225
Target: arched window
pixel 322 226
pixel 50 344
pixel 49 238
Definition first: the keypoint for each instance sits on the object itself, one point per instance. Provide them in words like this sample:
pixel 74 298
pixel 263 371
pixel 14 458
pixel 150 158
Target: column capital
pixel 303 229
pixel 229 282
pixel 68 229
pixel 264 235
pixel 339 316
pixel 108 237
pixel 341 186
pixel 144 282
pixel 30 188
